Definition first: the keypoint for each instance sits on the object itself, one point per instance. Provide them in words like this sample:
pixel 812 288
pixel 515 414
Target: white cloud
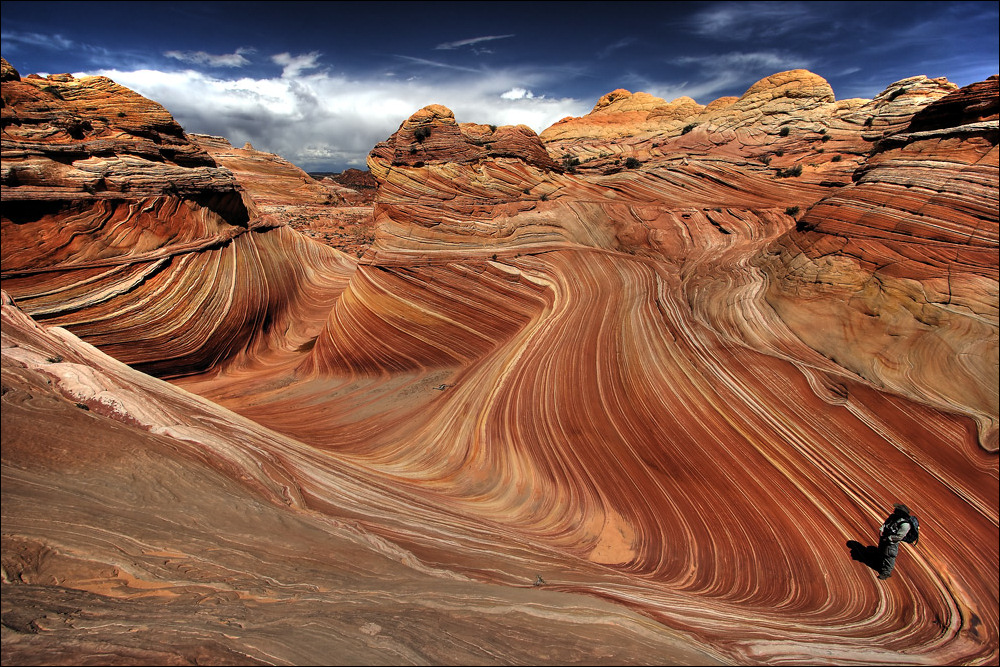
pixel 744 20
pixel 447 46
pixel 321 121
pixel 295 65
pixel 611 48
pixel 517 94
pixel 435 63
pixel 55 41
pixel 235 59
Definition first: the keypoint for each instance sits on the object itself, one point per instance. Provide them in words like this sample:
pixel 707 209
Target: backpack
pixel 893 524
pixel 913 534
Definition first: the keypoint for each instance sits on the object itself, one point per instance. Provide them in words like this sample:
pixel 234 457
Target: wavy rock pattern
pixel 677 389
pixel 166 262
pixel 148 526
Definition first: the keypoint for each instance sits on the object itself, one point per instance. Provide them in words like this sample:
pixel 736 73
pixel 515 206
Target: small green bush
pixel 688 128
pixel 836 158
pixel 632 163
pixel 791 172
pixel 421 133
pixel 826 137
pixel 784 131
pixel 792 211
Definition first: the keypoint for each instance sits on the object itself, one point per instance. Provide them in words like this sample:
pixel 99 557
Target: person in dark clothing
pixel 894 530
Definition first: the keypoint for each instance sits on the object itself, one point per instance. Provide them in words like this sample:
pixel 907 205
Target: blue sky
pixel 321 83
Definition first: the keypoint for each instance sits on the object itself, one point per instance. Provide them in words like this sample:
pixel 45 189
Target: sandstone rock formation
pixel 283 194
pixel 117 225
pixel 670 394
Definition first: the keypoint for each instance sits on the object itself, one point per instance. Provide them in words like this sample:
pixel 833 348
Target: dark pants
pixel 887 552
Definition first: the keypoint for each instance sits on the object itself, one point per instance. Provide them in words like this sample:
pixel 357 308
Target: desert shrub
pixel 784 131
pixel 689 127
pixel 792 211
pixel 121 114
pixel 421 133
pixel 779 153
pixel 766 159
pixel 869 121
pixel 826 137
pixel 836 158
pixel 632 163
pixel 791 172
pixel 493 128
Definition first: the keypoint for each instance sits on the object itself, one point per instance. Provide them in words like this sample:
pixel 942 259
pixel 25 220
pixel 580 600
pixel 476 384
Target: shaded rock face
pixel 665 395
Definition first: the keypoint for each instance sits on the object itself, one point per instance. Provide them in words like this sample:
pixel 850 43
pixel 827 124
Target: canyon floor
pixel 640 389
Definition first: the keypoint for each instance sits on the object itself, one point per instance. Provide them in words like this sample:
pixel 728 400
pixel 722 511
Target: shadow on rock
pixel 868 555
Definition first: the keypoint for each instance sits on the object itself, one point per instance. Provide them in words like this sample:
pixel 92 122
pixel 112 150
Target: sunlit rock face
pixel 674 390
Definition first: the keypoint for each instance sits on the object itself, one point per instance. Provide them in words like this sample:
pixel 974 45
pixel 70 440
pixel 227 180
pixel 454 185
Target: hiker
pixel 900 526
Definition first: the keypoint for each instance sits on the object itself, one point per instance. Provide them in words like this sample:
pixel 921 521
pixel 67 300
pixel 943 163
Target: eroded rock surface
pixel 676 390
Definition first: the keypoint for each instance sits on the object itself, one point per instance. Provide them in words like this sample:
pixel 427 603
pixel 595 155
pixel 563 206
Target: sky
pixel 320 83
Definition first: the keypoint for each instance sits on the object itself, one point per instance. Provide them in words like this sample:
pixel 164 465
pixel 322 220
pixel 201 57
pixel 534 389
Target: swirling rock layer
pixel 675 391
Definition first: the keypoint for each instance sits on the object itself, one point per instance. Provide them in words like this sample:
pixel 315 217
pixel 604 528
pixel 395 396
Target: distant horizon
pixel 321 83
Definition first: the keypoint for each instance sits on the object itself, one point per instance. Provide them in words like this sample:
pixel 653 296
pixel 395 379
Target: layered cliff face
pixel 680 387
